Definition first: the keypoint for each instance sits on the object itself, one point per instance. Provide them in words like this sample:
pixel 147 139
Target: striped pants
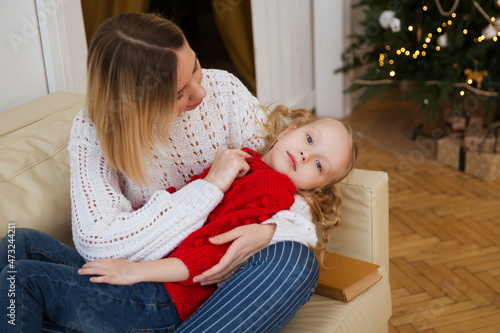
pixel 50 296
pixel 263 295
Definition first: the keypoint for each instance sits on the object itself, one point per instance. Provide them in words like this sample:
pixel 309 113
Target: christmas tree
pixel 449 50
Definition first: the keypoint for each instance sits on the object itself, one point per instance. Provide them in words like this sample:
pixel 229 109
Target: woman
pixel 154 119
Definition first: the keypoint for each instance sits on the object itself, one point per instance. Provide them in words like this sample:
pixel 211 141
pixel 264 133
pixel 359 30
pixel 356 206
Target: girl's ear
pixel 285 132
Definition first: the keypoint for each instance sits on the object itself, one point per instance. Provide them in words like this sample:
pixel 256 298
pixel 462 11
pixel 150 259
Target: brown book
pixel 344 278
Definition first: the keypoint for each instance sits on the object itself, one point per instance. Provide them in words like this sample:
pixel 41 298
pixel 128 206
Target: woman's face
pixel 190 93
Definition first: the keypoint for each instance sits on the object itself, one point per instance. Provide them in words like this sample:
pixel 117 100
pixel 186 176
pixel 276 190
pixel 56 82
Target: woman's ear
pixel 285 132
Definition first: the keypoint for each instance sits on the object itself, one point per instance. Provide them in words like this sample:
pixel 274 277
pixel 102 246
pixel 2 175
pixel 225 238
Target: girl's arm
pixel 122 272
pixel 294 224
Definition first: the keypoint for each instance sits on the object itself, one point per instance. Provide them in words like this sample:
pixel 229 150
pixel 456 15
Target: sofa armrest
pixel 364 233
pixel 34 168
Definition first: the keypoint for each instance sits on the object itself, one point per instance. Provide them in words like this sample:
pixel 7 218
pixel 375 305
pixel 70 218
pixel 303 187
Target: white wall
pixel 282 36
pixel 42 50
pixel 22 68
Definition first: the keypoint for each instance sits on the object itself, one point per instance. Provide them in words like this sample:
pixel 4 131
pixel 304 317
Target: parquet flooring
pixel 444 245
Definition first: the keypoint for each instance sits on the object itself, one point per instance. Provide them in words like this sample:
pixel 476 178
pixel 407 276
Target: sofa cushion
pixel 34 164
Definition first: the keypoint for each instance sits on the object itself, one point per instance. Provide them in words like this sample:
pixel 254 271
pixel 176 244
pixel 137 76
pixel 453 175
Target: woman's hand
pixel 247 240
pixel 113 271
pixel 228 165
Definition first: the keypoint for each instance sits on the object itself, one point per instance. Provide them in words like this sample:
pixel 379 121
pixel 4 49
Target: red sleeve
pixel 198 259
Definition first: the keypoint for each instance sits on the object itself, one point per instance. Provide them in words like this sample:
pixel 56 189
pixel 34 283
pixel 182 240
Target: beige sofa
pixel 34 193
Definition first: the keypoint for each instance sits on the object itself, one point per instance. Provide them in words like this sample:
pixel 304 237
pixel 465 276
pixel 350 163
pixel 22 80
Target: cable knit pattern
pixel 253 198
pixel 112 217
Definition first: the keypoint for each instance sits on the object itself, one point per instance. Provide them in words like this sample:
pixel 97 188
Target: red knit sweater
pixel 253 198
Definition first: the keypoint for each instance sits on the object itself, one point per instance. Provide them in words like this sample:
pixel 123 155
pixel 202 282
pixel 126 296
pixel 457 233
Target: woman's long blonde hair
pixel 132 89
pixel 326 202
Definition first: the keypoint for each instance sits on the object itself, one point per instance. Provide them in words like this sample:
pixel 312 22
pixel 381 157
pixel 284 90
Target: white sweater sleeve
pixel 105 224
pixel 294 224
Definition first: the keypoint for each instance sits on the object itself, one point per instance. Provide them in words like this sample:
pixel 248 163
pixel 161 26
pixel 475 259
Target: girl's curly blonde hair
pixel 326 201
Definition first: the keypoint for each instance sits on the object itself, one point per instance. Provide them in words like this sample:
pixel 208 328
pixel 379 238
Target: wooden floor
pixel 444 246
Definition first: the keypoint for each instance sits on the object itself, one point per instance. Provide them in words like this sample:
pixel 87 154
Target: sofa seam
pixel 33 165
pixel 370 185
pixel 63 109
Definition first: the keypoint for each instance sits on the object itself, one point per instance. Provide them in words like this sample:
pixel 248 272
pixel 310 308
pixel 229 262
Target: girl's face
pixel 311 155
pixel 190 93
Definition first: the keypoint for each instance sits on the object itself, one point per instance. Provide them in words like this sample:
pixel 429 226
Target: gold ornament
pixel 475 75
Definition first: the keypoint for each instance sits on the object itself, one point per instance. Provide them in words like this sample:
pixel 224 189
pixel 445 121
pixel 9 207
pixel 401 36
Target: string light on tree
pixel 432 48
pixel 490 31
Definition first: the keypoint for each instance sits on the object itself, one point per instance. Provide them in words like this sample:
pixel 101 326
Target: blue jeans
pixel 44 284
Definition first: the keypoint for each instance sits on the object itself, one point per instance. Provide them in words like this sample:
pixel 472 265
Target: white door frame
pixel 302 41
pixel 283 49
pixel 64 44
pixel 332 24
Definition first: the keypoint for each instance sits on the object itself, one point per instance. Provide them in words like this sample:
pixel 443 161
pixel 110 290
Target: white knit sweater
pixel 112 217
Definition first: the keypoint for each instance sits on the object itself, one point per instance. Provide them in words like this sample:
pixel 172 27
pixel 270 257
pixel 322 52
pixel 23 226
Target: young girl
pixel 305 154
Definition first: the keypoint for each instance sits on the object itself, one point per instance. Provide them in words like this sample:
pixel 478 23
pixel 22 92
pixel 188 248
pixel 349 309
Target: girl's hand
pixel 112 271
pixel 247 240
pixel 228 165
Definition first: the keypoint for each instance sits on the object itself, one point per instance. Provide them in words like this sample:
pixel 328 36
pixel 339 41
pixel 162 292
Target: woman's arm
pixel 247 240
pixel 105 223
pixel 294 224
pixel 122 272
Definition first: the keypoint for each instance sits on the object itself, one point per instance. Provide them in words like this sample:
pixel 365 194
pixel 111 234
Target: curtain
pixel 96 11
pixel 234 21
